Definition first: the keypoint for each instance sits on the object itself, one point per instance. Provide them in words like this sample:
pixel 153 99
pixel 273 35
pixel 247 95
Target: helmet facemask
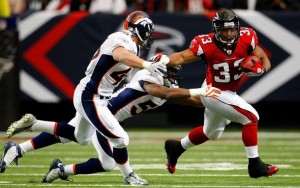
pixel 226 21
pixel 143 29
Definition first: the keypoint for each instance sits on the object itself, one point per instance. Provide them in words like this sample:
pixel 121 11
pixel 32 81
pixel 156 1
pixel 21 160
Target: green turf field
pixel 217 164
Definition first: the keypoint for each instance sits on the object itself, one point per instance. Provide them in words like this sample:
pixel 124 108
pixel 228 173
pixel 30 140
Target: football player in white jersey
pixel 111 63
pixel 144 92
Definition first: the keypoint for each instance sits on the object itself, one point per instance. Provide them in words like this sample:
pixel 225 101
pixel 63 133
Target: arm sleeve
pixel 195 46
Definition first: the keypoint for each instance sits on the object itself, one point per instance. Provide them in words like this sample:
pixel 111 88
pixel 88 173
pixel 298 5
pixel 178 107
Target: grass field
pixel 215 164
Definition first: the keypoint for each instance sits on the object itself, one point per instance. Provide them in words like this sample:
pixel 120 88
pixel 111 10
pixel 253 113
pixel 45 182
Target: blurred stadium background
pixel 51 49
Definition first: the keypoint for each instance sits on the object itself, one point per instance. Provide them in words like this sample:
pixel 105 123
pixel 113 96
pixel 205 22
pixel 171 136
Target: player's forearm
pixel 132 60
pixel 122 55
pixel 175 59
pixel 183 57
pixel 266 64
pixel 259 52
pixel 177 93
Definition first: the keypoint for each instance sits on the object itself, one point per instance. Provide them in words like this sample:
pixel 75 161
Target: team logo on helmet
pixel 139 23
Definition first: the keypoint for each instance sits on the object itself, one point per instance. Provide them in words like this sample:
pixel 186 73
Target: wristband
pixel 197 92
pixel 164 59
pixel 146 64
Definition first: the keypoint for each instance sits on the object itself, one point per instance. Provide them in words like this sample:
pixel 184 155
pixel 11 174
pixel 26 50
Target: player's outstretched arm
pixel 121 54
pixel 165 92
pixel 183 57
pixel 180 93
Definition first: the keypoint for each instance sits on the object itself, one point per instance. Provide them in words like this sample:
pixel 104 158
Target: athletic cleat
pixel 174 150
pixel 56 170
pixel 261 169
pixel 134 179
pixel 24 124
pixel 11 153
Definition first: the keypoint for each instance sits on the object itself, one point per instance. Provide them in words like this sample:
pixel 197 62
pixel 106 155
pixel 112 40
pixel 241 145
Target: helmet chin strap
pixel 226 47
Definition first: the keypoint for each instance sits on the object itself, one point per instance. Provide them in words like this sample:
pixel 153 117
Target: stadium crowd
pixel 126 6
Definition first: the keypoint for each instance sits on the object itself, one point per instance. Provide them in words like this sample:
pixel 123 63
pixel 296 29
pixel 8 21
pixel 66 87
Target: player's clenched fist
pixel 251 66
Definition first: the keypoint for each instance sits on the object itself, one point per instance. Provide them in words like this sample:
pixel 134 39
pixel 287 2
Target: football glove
pixel 157 64
pixel 256 70
pixel 158 68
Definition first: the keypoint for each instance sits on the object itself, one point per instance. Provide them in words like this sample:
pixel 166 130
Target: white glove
pixel 209 91
pixel 158 68
pixel 158 64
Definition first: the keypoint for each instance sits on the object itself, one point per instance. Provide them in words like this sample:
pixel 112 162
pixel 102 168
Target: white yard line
pixel 109 185
pixel 180 133
pixel 158 175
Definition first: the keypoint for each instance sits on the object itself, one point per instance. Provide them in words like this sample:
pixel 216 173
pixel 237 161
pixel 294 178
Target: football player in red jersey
pixel 222 50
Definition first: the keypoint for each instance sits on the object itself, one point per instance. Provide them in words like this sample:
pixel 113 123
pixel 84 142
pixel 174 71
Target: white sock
pixel 26 147
pixel 125 168
pixel 69 169
pixel 252 151
pixel 186 143
pixel 43 126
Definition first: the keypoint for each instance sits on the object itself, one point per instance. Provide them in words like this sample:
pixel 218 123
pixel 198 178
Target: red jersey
pixel 223 69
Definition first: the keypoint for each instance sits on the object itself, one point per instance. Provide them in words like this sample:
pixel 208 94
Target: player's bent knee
pixel 83 142
pixel 120 142
pixel 215 135
pixel 109 165
pixel 64 140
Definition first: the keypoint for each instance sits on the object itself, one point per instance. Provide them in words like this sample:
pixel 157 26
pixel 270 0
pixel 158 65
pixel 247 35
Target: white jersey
pixel 104 74
pixel 133 99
